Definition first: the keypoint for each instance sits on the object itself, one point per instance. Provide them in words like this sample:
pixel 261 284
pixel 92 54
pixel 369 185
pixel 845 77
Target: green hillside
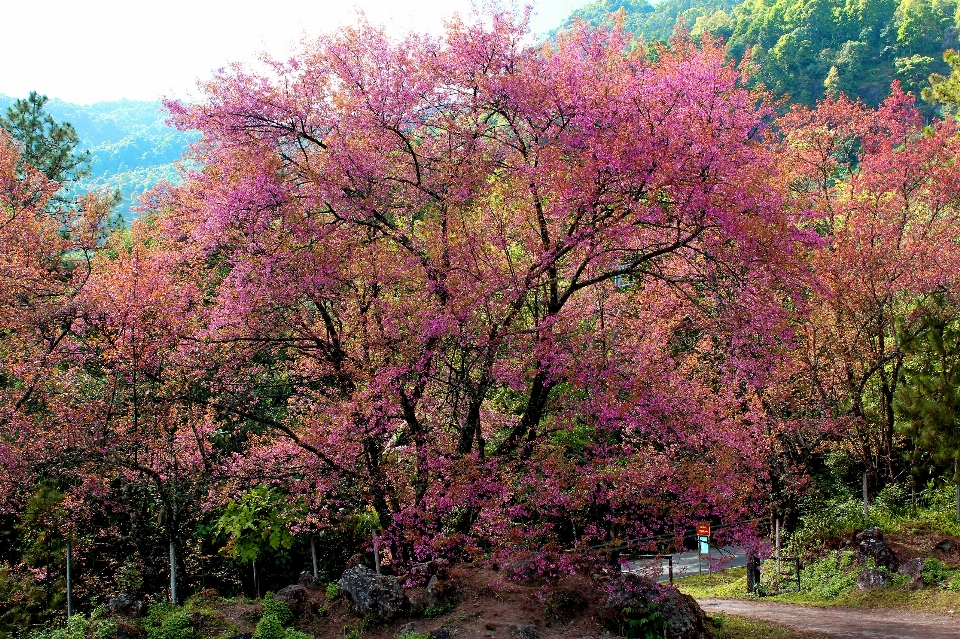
pixel 132 147
pixel 805 47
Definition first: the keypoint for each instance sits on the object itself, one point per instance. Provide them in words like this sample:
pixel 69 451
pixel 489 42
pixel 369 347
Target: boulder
pixel 944 545
pixel 126 631
pixel 310 582
pixel 439 633
pixel 526 632
pixel 295 597
pixel 371 594
pixel 870 545
pixel 119 605
pixel 872 579
pixel 683 618
pixel 441 590
pixel 125 605
pixel 913 568
pixel 358 559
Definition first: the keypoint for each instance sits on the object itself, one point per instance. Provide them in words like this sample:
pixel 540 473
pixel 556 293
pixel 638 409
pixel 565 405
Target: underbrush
pixel 733 627
pixel 893 511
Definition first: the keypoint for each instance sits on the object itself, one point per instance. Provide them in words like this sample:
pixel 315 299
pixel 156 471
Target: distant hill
pixel 132 147
pixel 804 48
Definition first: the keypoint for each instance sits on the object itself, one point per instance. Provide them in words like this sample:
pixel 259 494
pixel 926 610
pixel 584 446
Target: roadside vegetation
pixel 927 529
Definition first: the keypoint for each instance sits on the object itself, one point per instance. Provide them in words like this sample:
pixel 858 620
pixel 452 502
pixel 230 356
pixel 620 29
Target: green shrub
pixel 165 621
pixel 333 590
pixel 644 623
pixel 278 609
pixel 269 627
pixel 829 577
pixel 410 634
pixel 937 572
pixel 75 628
pixel 432 612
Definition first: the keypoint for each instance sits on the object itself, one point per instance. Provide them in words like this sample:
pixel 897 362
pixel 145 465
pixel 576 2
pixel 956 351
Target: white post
pixel 313 551
pixel 777 542
pixel 69 580
pixel 173 572
pixel 376 551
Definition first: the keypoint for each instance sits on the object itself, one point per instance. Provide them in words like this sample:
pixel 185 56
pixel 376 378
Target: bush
pixel 76 628
pixel 644 623
pixel 165 621
pixel 829 577
pixel 333 590
pixel 278 609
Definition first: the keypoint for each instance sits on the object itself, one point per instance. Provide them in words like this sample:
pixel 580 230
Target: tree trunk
pixel 313 553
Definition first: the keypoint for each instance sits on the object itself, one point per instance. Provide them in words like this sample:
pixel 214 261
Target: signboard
pixel 703 529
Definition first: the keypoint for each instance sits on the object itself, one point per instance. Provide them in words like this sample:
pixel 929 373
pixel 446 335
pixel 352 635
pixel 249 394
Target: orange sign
pixel 703 529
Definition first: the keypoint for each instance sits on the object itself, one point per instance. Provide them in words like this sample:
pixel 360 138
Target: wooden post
pixel 69 580
pixel 776 525
pixel 957 482
pixel 256 582
pixel 313 551
pixel 866 507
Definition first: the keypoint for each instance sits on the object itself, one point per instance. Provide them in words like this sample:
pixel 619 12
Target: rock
pixel 126 631
pixel 410 628
pixel 526 632
pixel 870 545
pixel 209 595
pixel 945 545
pixel 357 560
pixel 913 568
pixel 295 597
pixel 564 605
pixel 310 582
pixel 417 599
pixel 120 604
pixel 441 591
pixel 682 616
pixel 872 579
pixel 440 633
pixel 371 594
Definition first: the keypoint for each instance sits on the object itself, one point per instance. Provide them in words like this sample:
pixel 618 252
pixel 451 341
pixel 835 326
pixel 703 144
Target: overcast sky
pixel 86 51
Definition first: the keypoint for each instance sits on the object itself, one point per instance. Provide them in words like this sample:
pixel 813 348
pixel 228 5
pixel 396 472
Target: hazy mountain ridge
pixel 132 146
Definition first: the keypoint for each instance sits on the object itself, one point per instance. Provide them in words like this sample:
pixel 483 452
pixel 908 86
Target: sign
pixel 703 529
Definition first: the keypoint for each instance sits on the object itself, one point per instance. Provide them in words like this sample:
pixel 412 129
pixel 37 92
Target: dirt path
pixel 843 623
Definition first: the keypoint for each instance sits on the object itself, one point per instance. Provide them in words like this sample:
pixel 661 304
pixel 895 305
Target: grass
pixel 732 584
pixel 732 627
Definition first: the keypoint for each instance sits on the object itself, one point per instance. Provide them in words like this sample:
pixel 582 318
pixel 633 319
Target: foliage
pixel 486 298
pixel 830 576
pixel 432 612
pixel 278 609
pixel 333 590
pixel 259 519
pixel 48 146
pixel 645 623
pixel 165 621
pixel 75 628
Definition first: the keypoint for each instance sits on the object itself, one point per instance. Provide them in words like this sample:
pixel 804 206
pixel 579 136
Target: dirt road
pixel 843 623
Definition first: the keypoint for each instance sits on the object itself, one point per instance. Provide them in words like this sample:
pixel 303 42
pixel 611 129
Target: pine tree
pixel 929 398
pixel 48 146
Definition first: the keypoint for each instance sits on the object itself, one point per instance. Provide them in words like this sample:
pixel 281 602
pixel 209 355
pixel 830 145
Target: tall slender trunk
pixel 313 554
pixel 173 572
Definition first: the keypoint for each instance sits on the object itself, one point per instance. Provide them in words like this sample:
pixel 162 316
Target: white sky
pixel 87 51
